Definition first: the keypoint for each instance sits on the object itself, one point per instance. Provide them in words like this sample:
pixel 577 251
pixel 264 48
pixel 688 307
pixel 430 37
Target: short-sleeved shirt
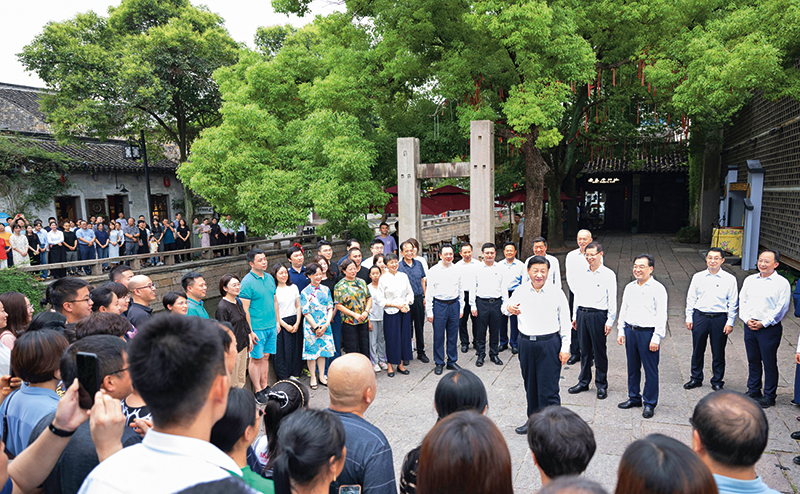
pixel 260 291
pixel 353 295
pixel 196 308
pixel 139 314
pixel 298 278
pixel 24 409
pixel 415 273
pixel 70 238
pixel 87 235
pixel 389 245
pixel 368 462
pixel 130 230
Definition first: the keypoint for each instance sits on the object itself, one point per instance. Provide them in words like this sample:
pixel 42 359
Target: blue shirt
pixel 196 308
pixel 24 409
pixel 260 291
pixel 42 234
pixel 368 462
pixel 87 235
pixel 102 237
pixel 727 485
pixel 300 279
pixel 415 273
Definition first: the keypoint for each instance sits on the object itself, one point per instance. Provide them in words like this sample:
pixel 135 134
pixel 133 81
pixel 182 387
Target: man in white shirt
pixel 514 275
pixel 444 304
pixel 487 299
pixel 540 249
pixel 544 337
pixel 711 304
pixel 595 310
pixel 763 302
pixel 375 247
pixel 642 324
pixel 467 268
pixel 177 365
pixel 576 263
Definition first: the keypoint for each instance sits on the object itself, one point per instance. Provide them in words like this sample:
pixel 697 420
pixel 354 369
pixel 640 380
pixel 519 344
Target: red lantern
pixel 166 181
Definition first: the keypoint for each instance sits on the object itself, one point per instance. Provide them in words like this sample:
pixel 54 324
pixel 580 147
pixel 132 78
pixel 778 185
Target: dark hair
pixel 375 242
pixel 307 440
pixel 346 264
pixel 36 355
pixel 651 261
pixel 447 246
pixel 375 267
pixel 102 323
pixel 118 288
pixel 63 290
pixel 322 243
pixel 732 427
pixel 252 253
pixel 102 296
pixel 413 241
pixel 283 398
pixel 291 250
pixel 173 362
pixel 275 268
pixel 223 282
pixel 170 298
pixel 17 309
pixel 48 320
pixel 403 245
pixel 316 259
pixel 464 244
pixel 537 260
pixel 350 242
pixel 312 268
pixel 659 464
pixel 572 484
pixel 239 415
pixel 383 223
pixel 110 352
pixel 460 390
pixel 561 440
pixel 594 245
pixel 351 250
pixel 488 245
pixel 512 244
pixel 189 279
pixel 539 239
pixel 391 256
pixel 717 250
pixel 464 453
pixel 775 252
pixel 376 257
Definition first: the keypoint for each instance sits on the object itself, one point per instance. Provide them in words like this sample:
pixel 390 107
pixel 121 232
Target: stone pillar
pixel 752 215
pixel 481 177
pixel 408 189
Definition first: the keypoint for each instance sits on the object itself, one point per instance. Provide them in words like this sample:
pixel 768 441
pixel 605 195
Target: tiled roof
pixel 650 164
pixel 24 97
pixel 89 154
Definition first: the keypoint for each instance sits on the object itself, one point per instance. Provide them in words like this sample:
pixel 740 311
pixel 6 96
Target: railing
pixel 96 265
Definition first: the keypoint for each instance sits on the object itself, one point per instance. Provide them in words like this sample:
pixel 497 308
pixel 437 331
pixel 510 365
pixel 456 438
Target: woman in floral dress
pixel 317 306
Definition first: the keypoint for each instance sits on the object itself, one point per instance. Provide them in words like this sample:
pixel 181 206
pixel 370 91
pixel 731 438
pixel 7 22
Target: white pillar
pixel 752 214
pixel 481 193
pixel 408 189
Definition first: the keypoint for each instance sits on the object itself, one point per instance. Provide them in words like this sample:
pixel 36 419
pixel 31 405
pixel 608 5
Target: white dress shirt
pixel 764 299
pixel 54 237
pixel 575 263
pixel 444 283
pixel 394 289
pixel 543 312
pixel 468 273
pixel 423 261
pixel 367 263
pixel 644 306
pixel 713 293
pixel 514 273
pixel 161 464
pixel 598 291
pixel 489 283
pixel 553 272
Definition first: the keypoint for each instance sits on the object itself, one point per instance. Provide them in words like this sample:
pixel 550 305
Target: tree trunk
pixel 555 229
pixel 571 189
pixel 183 146
pixel 535 168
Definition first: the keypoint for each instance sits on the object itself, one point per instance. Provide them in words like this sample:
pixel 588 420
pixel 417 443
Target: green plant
pixel 14 280
pixel 688 235
pixel 29 176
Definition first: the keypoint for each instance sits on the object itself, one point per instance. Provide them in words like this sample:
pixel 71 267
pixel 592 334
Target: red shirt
pixel 3 247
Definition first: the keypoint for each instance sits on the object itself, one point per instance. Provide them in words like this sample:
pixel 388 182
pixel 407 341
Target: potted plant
pixel 634 225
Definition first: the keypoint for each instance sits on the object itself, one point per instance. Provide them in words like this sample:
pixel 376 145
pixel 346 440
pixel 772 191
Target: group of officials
pixel 548 330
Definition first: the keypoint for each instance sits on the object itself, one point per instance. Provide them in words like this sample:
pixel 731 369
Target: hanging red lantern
pixel 166 181
pixel 62 179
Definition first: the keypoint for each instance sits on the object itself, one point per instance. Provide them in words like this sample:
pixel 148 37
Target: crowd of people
pixel 172 412
pixel 36 243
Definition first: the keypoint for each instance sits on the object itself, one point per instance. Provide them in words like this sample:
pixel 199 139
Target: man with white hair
pixel 576 264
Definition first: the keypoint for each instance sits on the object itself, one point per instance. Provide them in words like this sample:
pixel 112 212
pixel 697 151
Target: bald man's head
pixel 142 289
pixel 351 383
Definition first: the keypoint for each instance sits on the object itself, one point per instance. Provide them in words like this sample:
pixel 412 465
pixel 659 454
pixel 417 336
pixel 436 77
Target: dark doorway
pixel 663 203
pixel 160 206
pixel 66 208
pixel 116 205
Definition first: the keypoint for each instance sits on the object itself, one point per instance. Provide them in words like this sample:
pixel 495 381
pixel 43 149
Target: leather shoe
pixel 766 402
pixel 574 359
pixel 716 387
pixel 479 362
pixel 502 348
pixel 796 460
pixel 693 383
pixel 464 348
pixel 629 404
pixel 796 435
pixel 602 394
pixel 578 388
pixel 794 403
pixel 648 412
pixel 438 370
pixel 422 357
pixel 523 430
pixel 453 366
pixel 496 360
pixel 390 374
pixel 514 350
pixel 756 395
pixel 404 372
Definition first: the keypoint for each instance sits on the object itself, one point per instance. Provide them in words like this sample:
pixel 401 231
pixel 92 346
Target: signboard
pixel 205 210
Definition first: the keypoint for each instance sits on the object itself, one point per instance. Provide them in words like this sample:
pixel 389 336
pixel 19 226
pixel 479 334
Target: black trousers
pixel 445 332
pixel 574 346
pixel 703 328
pixel 637 348
pixel 355 338
pixel 591 331
pixel 463 332
pixel 418 321
pixel 489 315
pixel 541 371
pixel 762 349
pixel 512 321
pixel 288 361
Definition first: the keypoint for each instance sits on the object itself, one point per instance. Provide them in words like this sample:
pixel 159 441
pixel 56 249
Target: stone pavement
pixel 404 409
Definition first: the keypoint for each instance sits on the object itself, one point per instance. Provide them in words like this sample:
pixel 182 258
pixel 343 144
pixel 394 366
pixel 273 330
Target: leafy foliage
pixel 14 280
pixel 29 176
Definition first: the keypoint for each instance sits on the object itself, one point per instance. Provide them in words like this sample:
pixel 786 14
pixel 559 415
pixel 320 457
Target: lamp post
pixel 134 150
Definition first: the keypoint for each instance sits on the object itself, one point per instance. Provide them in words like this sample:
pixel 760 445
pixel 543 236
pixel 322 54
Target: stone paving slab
pixel 404 408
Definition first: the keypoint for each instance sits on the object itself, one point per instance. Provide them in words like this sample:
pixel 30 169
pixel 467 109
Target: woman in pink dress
pixel 205 237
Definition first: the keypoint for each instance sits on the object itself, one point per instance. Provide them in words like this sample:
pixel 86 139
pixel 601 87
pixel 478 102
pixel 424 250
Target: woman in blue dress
pixel 317 306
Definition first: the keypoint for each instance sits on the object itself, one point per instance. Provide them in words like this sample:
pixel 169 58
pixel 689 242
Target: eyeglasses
pixel 149 285
pixel 87 299
pixel 121 370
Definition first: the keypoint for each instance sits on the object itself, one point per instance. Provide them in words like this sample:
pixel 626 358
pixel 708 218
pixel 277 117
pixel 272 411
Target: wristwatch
pixel 59 432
